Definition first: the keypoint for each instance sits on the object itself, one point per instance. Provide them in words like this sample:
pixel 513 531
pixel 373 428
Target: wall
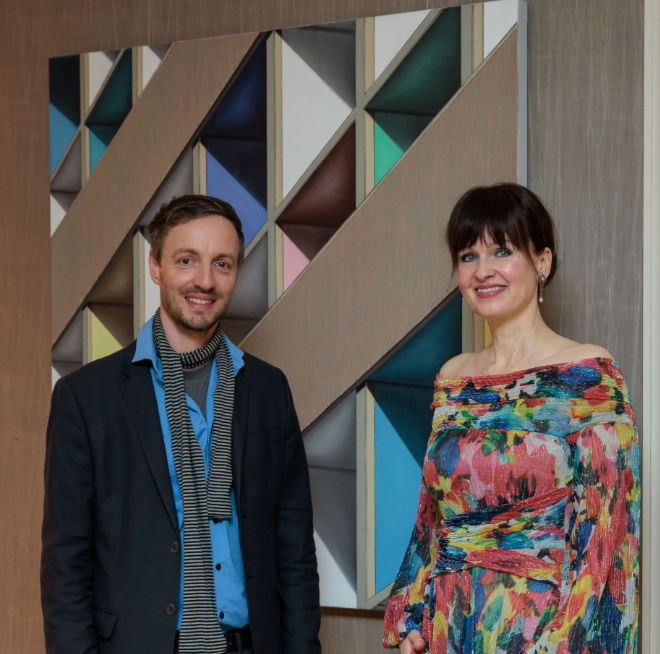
pixel 30 32
pixel 585 161
pixel 585 116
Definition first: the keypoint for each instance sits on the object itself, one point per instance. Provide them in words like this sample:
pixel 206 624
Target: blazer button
pixel 174 547
pixel 170 609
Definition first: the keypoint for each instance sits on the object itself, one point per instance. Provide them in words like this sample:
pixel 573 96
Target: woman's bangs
pixel 502 230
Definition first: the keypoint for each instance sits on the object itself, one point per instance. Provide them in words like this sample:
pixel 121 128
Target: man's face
pixel 197 273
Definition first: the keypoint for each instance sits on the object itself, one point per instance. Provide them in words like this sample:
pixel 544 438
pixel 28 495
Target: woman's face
pixel 499 282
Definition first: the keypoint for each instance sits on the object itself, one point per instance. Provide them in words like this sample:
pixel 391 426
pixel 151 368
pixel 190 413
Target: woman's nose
pixel 484 268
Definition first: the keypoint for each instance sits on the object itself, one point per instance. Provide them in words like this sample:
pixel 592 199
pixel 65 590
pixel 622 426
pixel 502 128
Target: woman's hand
pixel 412 643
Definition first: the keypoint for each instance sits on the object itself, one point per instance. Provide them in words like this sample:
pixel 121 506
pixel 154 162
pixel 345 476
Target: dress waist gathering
pixel 525 538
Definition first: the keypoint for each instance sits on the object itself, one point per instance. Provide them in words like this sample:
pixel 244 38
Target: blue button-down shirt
pixel 228 574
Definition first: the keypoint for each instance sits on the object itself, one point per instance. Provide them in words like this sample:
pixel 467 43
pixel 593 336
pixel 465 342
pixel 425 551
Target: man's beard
pixel 198 323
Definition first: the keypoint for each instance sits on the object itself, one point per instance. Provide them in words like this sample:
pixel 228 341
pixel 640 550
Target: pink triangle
pixel 293 261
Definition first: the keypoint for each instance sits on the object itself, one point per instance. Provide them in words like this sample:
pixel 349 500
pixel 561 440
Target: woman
pixel 527 531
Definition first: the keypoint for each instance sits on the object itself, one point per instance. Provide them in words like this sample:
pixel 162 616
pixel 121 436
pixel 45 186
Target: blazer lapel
pixel 138 392
pixel 239 426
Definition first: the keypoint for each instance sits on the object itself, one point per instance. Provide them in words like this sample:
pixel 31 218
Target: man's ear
pixel 154 268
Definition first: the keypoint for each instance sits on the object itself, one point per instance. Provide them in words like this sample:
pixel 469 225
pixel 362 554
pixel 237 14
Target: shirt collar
pixel 145 349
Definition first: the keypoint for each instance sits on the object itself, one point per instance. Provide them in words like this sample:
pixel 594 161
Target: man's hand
pixel 412 643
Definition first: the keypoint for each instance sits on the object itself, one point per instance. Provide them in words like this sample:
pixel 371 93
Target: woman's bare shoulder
pixel 574 351
pixel 564 350
pixel 458 366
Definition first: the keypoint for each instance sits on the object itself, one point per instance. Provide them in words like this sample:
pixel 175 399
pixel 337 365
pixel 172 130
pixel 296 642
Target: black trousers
pixel 238 641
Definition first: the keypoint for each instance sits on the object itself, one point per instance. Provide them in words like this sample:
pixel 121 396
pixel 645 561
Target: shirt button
pixel 170 609
pixel 222 614
pixel 218 566
pixel 174 547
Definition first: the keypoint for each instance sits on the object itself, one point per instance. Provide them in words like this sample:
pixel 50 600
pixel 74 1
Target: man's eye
pixel 503 252
pixel 468 257
pixel 184 260
pixel 221 264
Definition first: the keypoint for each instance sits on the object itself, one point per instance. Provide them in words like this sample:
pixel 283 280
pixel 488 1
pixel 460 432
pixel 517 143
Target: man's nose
pixel 204 278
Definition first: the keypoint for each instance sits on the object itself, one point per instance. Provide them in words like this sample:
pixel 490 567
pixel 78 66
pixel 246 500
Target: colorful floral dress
pixel 527 530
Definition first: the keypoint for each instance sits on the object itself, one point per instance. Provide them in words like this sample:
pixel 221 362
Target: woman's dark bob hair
pixel 508 213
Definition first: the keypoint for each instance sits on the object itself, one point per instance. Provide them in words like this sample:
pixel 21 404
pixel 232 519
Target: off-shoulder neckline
pixel 508 376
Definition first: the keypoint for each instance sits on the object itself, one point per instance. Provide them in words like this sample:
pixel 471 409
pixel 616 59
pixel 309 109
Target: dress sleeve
pixel 600 585
pixel 406 607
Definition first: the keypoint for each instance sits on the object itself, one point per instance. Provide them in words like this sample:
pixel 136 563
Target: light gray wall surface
pixel 585 67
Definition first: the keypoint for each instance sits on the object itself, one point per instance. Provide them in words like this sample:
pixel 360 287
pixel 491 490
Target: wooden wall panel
pixel 387 267
pixel 351 632
pixel 135 164
pixel 24 344
pixel 585 63
pixel 101 25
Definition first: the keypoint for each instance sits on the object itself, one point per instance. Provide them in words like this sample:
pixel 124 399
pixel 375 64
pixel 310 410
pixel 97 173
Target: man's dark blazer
pixel 111 551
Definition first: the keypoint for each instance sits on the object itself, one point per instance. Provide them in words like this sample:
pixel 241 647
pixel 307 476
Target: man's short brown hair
pixel 188 207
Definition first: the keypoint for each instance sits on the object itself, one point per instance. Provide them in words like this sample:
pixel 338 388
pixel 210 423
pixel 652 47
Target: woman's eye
pixel 468 257
pixel 503 252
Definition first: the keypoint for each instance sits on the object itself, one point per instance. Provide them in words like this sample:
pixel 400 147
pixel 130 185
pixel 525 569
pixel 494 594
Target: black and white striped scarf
pixel 202 500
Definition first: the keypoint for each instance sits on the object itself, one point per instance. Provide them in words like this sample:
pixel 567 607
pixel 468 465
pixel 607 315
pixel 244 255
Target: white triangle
pixel 311 114
pixel 499 18
pixel 391 33
pixel 152 56
pixel 99 65
pixel 335 589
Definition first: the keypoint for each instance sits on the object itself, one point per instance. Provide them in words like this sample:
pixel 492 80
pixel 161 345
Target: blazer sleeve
pixel 296 558
pixel 601 579
pixel 67 532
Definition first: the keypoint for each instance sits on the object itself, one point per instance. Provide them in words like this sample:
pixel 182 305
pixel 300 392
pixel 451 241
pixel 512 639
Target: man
pixel 179 429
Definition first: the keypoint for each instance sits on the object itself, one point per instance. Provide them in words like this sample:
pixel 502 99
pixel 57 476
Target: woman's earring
pixel 541 283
